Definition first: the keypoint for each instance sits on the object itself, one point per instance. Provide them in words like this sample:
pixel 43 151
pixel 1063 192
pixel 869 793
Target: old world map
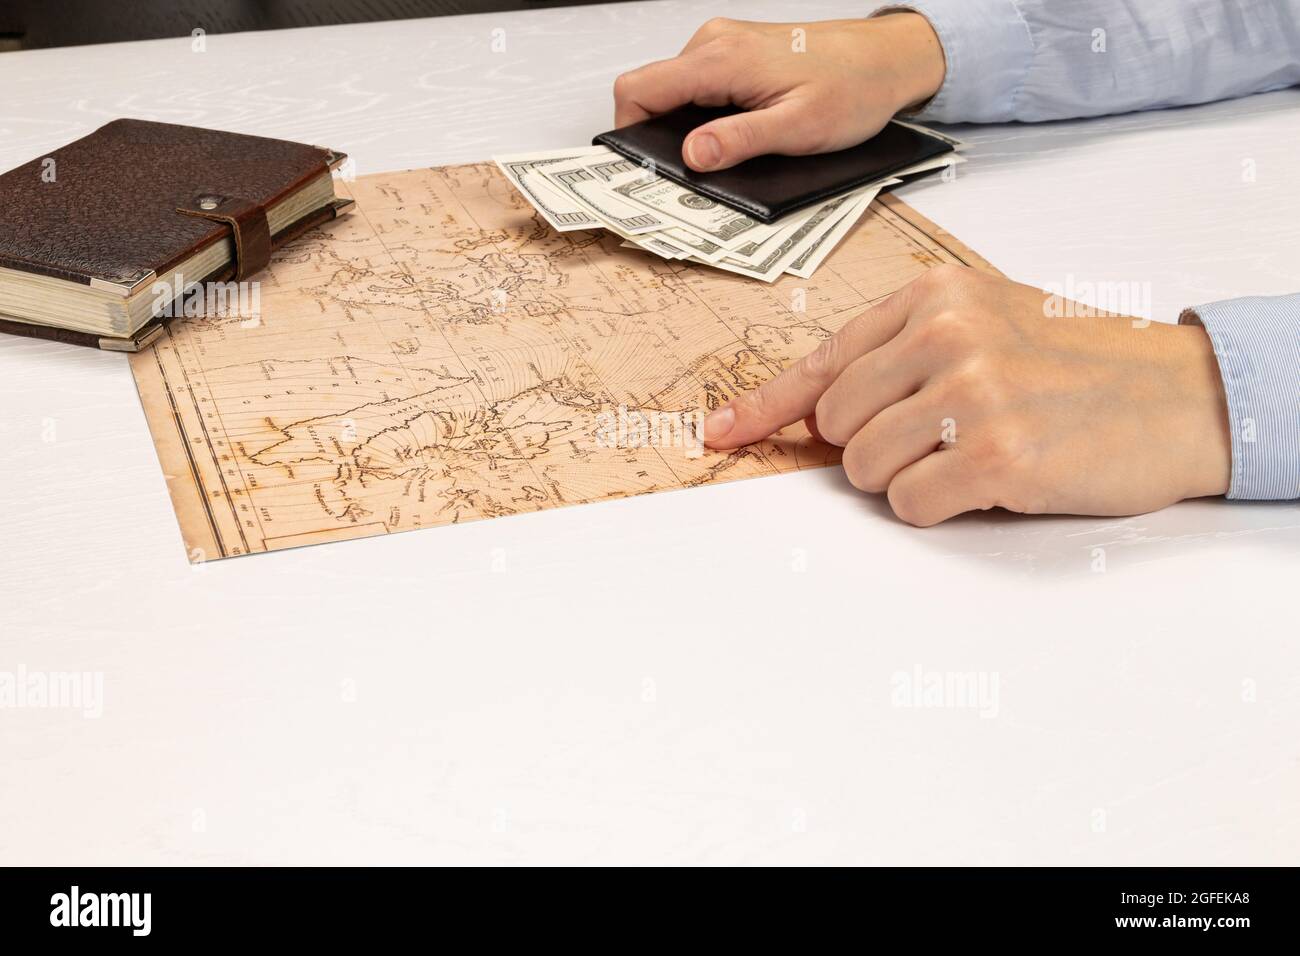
pixel 443 355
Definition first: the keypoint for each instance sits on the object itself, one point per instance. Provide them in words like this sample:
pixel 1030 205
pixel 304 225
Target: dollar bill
pixel 745 239
pixel 693 243
pixel 614 166
pixel 585 182
pixel 806 263
pixel 793 245
pixel 952 141
pixel 651 242
pixel 802 246
pixel 719 224
pixel 657 246
pixel 524 172
pixel 595 187
pixel 755 252
pixel 936 162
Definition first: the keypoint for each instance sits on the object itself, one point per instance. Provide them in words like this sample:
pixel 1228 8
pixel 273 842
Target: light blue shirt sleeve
pixel 1257 343
pixel 1034 60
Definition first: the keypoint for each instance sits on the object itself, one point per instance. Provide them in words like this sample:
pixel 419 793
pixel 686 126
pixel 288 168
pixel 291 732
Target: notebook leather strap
pixel 248 224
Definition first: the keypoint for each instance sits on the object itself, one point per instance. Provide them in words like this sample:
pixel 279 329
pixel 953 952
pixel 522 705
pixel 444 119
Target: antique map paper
pixel 443 355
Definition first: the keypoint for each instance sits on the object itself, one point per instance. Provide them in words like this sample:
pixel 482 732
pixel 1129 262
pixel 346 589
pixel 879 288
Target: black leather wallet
pixel 768 187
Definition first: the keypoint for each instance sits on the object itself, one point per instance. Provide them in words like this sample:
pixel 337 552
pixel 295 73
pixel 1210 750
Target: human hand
pixel 967 391
pixel 831 87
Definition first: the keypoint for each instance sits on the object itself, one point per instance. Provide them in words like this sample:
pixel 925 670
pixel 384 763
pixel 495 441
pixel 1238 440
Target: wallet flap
pixel 768 187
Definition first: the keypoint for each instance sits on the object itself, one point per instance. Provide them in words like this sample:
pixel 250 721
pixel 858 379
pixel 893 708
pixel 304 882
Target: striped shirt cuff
pixel 988 51
pixel 1257 342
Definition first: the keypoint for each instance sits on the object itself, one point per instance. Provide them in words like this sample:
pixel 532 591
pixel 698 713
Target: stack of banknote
pixel 593 187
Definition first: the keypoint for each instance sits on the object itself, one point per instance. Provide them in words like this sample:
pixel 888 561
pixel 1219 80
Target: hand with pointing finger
pixel 966 391
pixel 808 88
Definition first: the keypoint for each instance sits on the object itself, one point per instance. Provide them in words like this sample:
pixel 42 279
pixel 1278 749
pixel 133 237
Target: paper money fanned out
pixel 593 187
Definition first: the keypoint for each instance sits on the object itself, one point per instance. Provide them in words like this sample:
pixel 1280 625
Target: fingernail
pixel 704 151
pixel 718 423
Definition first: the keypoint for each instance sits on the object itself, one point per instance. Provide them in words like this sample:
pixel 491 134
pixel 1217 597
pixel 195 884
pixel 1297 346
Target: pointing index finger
pixel 792 395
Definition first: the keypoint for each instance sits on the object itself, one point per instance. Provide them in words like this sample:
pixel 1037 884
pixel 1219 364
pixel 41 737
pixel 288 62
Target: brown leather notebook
pixel 96 237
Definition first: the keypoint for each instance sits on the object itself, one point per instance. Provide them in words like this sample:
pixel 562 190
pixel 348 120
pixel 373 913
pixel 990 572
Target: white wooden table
pixel 710 676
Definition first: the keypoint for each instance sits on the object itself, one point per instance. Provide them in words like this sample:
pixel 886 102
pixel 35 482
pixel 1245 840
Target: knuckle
pixel 926 280
pixel 939 282
pixel 1002 447
pixel 907 503
pixel 623 85
pixel 819 365
pixel 948 276
pixel 725 46
pixel 858 468
pixel 946 273
pixel 872 483
pixel 946 329
pixel 975 385
pixel 752 404
pixel 714 26
pixel 932 279
pixel 855 471
pixel 828 421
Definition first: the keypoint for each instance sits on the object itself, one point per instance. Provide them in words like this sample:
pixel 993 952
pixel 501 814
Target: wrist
pixel 917 56
pixel 1208 431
